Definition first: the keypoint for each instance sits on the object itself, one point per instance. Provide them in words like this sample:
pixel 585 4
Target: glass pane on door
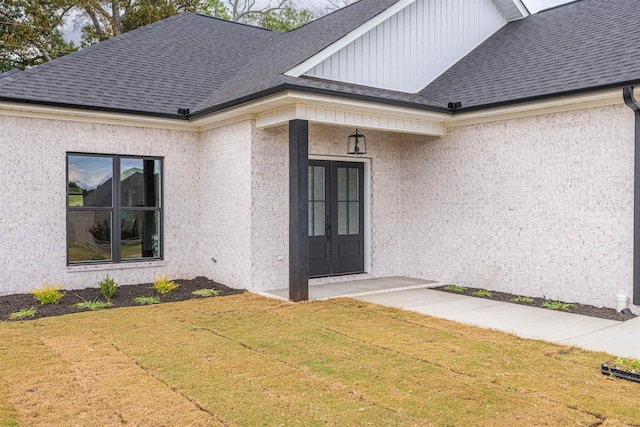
pixel 317 201
pixel 348 201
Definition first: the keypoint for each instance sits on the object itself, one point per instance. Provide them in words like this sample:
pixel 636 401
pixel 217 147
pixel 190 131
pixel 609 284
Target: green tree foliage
pixel 285 19
pixel 31 32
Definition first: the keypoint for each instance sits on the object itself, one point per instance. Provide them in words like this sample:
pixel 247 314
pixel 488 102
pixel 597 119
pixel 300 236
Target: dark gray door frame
pixel 298 210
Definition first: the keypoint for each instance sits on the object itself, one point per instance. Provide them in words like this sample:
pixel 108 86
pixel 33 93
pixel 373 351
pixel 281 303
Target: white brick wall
pixel 539 206
pixel 32 212
pixel 534 206
pixel 224 199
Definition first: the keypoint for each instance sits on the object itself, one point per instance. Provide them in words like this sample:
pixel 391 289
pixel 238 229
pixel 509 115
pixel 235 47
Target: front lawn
pixel 246 360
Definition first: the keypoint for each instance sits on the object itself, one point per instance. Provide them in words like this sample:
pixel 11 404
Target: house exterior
pixel 499 152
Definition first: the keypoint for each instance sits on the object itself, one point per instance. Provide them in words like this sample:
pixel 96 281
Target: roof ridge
pixel 85 51
pixel 329 14
pixel 204 15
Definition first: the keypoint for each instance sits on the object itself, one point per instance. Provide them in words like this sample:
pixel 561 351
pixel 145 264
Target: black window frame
pixel 116 209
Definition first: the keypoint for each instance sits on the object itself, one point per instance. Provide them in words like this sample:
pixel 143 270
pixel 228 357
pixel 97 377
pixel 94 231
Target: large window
pixel 113 220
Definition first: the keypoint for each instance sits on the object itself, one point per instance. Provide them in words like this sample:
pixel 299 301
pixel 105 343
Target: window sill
pixel 119 266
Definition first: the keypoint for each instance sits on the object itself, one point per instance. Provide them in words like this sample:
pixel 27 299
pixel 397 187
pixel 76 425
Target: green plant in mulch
pixel 557 305
pixel 48 293
pixel 629 365
pixel 22 314
pixel 147 300
pixel 483 293
pixel 204 293
pixel 108 287
pixel 163 285
pixel 92 305
pixel 520 298
pixel 455 288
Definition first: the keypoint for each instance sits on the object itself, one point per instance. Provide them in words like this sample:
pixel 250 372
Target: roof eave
pixel 93 108
pixel 318 91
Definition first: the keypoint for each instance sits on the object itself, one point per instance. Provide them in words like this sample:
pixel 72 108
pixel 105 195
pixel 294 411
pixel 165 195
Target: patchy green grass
pixel 22 314
pixel 483 293
pixel 455 288
pixel 93 305
pixel 557 305
pixel 147 300
pixel 521 298
pixel 248 360
pixel 205 293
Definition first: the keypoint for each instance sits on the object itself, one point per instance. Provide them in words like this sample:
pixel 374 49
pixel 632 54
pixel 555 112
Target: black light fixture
pixel 357 143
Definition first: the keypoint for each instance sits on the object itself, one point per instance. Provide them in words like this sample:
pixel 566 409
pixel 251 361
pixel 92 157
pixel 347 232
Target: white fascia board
pixel 88 116
pixel 316 59
pixel 507 7
pixel 559 105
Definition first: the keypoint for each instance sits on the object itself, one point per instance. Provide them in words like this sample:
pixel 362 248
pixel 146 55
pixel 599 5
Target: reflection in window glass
pixel 109 219
pixel 139 182
pixel 89 236
pixel 139 234
pixel 90 182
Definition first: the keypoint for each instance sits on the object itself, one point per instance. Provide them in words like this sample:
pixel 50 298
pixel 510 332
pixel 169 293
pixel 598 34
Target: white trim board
pixel 278 109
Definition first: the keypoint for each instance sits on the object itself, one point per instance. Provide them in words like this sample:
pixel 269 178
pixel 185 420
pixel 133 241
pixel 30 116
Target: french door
pixel 336 218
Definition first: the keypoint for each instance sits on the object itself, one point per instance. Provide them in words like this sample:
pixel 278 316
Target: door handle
pixel 327 228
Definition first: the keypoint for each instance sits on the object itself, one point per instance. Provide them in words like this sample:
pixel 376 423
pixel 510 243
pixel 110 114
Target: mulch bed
pixel 587 310
pixel 124 297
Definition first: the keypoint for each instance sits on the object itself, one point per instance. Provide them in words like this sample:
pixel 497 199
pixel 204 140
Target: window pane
pixel 318 219
pixel 89 236
pixel 139 182
pixel 354 218
pixel 318 183
pixel 353 184
pixel 342 184
pixel 310 223
pixel 140 234
pixel 90 181
pixel 343 224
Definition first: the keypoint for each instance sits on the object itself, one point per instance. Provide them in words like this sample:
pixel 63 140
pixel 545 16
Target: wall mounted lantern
pixel 357 143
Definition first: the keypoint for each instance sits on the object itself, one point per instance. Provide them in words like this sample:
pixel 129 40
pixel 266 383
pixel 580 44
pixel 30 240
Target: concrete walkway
pixel 617 338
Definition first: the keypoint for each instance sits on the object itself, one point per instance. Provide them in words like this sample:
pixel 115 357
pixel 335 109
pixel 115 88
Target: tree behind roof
pixel 31 32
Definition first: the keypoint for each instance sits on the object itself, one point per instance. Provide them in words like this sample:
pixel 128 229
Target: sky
pixel 533 6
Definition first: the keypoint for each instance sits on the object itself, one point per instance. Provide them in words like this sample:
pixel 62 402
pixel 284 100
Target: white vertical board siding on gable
pixel 413 47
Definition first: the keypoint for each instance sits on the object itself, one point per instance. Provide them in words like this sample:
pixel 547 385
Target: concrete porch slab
pixel 355 288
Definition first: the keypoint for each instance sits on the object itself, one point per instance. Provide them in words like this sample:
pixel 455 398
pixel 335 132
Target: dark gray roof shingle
pixel 201 63
pixel 174 63
pixel 581 45
pixel 267 69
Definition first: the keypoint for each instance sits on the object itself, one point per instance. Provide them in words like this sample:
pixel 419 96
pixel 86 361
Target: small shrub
pixel 108 287
pixel 147 300
pixel 162 285
pixel 629 365
pixel 522 299
pixel 483 293
pixel 92 305
pixel 48 294
pixel 455 288
pixel 557 305
pixel 22 314
pixel 204 293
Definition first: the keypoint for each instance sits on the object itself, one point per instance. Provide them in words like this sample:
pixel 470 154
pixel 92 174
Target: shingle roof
pixel 174 63
pixel 580 45
pixel 201 63
pixel 267 69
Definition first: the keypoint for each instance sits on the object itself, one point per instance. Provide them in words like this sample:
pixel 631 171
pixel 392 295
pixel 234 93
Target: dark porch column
pixel 298 210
